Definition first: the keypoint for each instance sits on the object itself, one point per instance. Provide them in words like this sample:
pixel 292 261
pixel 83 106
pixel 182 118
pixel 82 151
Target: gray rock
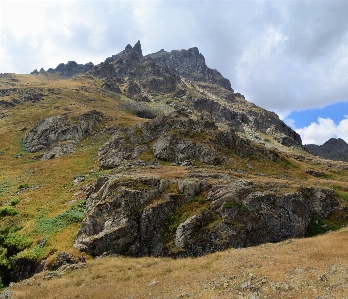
pixel 190 64
pixel 190 188
pixel 117 219
pixel 129 216
pixel 58 151
pixel 137 48
pixel 110 84
pixel 170 135
pixel 6 294
pixel 334 149
pixel 71 68
pixel 57 135
pixel 187 230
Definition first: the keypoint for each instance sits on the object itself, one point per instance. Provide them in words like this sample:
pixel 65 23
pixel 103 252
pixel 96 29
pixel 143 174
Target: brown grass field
pixel 297 268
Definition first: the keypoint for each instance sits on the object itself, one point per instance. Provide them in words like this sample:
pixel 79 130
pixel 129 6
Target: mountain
pixel 150 155
pixel 334 149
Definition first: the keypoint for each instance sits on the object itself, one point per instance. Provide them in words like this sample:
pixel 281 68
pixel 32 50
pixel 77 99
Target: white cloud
pixel 323 130
pixel 282 55
pixel 342 129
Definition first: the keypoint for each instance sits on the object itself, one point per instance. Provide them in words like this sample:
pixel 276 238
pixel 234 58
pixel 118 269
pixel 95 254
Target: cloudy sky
pixel 290 57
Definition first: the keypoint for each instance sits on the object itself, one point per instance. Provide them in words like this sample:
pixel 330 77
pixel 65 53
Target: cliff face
pixel 139 217
pixel 334 149
pixel 191 65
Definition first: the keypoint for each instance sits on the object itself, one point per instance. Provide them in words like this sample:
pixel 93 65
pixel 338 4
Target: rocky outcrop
pixel 132 216
pixel 22 268
pixel 256 119
pixel 120 217
pixel 191 65
pixel 173 138
pixel 144 75
pixel 67 70
pixel 111 84
pixel 32 94
pixel 333 149
pixel 58 135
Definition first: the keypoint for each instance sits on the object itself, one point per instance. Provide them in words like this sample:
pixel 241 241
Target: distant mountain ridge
pixel 334 149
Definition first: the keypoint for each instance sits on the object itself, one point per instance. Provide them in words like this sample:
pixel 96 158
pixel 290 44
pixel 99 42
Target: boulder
pixel 59 134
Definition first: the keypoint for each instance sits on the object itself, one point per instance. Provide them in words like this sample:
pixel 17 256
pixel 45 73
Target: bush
pixel 23 186
pixel 8 211
pixel 14 201
pixel 319 226
pixel 16 243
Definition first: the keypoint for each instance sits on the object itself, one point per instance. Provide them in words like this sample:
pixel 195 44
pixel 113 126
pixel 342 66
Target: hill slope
pixel 153 155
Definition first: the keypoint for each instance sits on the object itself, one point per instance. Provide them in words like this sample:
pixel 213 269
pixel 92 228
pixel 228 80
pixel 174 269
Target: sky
pixel 290 57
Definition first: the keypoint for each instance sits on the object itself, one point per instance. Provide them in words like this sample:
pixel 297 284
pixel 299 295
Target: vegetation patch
pixel 231 204
pixel 320 225
pixel 11 243
pixel 341 192
pixel 14 201
pixel 7 211
pixel 47 226
pixel 306 192
pixel 171 224
pixel 23 187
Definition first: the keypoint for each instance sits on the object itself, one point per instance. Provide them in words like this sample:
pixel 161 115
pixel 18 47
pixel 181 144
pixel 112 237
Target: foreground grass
pixel 297 268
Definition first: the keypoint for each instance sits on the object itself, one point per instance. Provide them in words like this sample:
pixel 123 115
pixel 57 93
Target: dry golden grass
pixel 297 268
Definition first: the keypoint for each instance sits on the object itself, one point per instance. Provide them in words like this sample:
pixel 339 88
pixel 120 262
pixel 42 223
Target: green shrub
pixel 14 201
pixel 23 186
pixel 231 204
pixel 171 224
pixel 8 211
pixel 16 243
pixel 36 254
pixel 319 226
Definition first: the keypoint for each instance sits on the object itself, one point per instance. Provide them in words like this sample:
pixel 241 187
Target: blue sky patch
pixel 304 118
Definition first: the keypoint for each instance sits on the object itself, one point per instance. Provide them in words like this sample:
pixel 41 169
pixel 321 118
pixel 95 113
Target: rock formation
pixel 334 149
pixel 191 65
pixel 66 70
pixel 174 138
pixel 135 216
pixel 58 135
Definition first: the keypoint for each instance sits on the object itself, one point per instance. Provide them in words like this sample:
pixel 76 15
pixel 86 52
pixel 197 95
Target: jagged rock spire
pixel 137 48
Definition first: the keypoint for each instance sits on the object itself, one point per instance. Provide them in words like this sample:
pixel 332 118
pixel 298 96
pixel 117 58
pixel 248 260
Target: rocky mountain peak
pixel 137 48
pixel 333 142
pixel 334 149
pixel 191 64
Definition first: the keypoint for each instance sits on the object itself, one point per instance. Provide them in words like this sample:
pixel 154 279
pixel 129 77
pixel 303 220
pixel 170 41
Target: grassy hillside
pixel 42 204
